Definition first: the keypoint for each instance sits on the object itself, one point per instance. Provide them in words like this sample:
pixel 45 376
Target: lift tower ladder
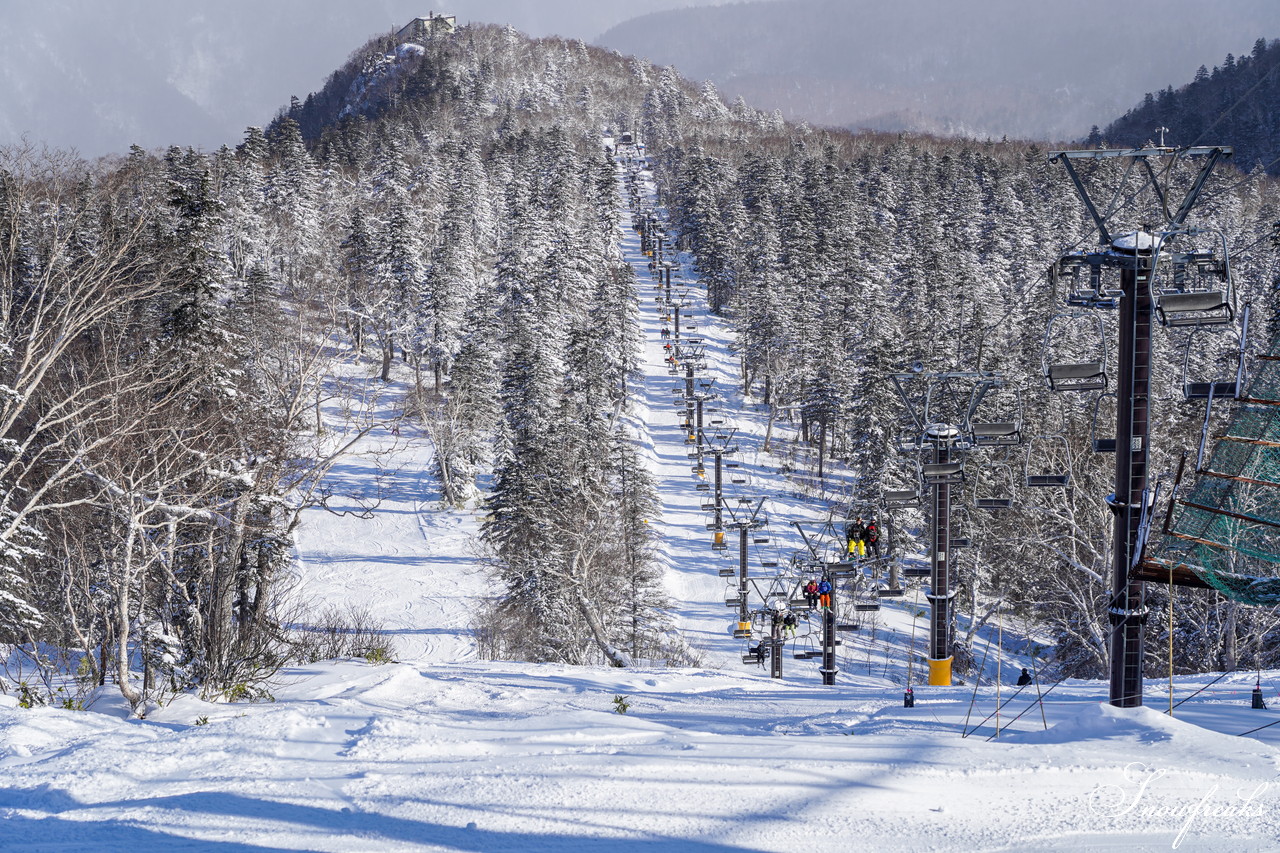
pixel 1136 255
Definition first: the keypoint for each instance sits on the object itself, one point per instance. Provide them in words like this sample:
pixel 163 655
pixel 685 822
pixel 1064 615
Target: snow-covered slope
pixel 443 751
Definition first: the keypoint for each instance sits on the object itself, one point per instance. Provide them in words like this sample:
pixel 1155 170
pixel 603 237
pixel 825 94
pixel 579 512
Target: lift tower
pixel 942 408
pixel 1137 256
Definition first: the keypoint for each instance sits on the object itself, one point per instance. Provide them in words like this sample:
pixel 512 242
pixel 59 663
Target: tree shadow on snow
pixel 82 833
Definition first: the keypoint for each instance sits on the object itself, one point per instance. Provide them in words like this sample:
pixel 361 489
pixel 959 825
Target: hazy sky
pixel 99 75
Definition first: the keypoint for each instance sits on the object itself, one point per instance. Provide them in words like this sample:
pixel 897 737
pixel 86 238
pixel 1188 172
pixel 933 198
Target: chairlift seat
pixel 1086 376
pixel 848 626
pixel 995 503
pixel 702 487
pixel 742 634
pixel 943 473
pixel 1194 308
pixel 901 498
pixel 960 542
pixel 916 571
pixel 751 658
pixel 996 434
pixel 732 601
pixel 769 564
pixel 1220 388
pixel 760 540
pixel 1048 480
pixel 727 573
pixel 1104 445
pixel 866 606
pixel 887 592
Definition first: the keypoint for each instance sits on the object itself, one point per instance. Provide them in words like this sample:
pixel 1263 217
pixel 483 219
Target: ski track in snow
pixel 445 752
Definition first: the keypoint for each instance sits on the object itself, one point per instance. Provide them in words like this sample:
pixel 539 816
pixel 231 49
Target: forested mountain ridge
pixel 448 209
pixel 1236 104
pixel 985 70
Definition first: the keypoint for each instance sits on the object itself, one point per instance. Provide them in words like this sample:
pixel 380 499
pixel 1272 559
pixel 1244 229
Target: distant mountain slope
pixel 1017 69
pixel 102 76
pixel 1236 104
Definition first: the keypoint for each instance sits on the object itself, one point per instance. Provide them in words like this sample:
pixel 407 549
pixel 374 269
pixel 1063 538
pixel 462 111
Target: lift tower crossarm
pixel 1215 154
pixel 1103 233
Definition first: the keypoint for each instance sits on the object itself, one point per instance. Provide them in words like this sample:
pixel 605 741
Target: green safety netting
pixel 1225 527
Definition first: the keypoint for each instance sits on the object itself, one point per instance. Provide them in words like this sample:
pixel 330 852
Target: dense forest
pixel 173 324
pixel 1236 103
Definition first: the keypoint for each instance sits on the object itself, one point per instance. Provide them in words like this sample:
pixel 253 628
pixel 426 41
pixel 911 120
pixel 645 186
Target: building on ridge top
pixel 429 26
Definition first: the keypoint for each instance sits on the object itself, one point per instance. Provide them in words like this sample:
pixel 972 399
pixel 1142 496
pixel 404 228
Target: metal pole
pixel 940 590
pixel 775 647
pixel 828 669
pixel 719 489
pixel 699 422
pixel 742 574
pixel 1127 611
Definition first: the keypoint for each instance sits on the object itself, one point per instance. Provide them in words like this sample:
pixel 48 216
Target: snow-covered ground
pixel 444 751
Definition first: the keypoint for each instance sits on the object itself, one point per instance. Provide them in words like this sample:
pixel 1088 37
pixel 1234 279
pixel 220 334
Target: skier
pixel 789 623
pixel 824 594
pixel 666 333
pixel 1025 678
pixel 811 593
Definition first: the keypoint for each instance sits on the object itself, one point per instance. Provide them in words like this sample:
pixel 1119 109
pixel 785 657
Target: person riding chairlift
pixel 871 538
pixel 856 536
pixel 811 593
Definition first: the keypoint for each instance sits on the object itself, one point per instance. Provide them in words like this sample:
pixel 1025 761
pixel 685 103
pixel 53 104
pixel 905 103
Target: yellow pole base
pixel 940 672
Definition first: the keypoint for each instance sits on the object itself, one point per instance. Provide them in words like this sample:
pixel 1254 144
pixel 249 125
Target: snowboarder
pixel 811 593
pixel 1025 678
pixel 824 594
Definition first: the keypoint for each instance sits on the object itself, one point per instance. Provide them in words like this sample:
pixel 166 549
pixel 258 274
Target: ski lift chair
pixel 997 424
pixel 900 498
pixel 942 473
pixel 1102 443
pixel 1088 374
pixel 999 496
pixel 1199 291
pixel 1047 478
pixel 1215 389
